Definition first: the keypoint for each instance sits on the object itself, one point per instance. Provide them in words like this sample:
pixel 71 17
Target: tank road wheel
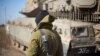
pixel 23 48
pixel 18 45
pixel 12 42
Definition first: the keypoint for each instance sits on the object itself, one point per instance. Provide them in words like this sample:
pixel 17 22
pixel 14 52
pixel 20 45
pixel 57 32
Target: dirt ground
pixel 6 49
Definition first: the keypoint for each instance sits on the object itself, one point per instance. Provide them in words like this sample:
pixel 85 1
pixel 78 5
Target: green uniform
pixel 54 41
pixel 35 46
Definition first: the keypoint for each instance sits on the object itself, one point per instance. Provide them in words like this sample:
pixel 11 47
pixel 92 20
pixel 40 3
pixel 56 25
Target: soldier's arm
pixel 60 47
pixel 33 46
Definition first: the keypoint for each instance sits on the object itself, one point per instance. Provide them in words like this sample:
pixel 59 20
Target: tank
pixel 83 13
pixel 77 23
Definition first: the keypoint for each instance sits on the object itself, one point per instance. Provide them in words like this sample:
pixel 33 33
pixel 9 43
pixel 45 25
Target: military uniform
pixel 54 41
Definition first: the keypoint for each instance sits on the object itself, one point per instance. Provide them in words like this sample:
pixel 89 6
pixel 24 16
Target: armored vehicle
pixel 80 37
pixel 82 40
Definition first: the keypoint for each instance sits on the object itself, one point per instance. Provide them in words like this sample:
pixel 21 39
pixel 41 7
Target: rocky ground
pixel 6 49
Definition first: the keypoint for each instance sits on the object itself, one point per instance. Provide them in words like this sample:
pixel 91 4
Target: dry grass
pixel 6 48
pixel 4 38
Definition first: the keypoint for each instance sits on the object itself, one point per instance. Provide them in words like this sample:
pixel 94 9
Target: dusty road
pixel 6 49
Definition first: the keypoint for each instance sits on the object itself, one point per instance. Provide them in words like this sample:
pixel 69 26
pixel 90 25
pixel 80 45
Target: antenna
pixel 5 16
pixel 98 9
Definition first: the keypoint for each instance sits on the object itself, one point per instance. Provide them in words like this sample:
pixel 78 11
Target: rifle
pixel 45 43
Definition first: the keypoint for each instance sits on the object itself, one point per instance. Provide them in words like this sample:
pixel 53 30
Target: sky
pixel 9 9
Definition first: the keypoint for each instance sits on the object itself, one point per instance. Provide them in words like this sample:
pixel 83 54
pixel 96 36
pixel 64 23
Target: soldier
pixel 44 40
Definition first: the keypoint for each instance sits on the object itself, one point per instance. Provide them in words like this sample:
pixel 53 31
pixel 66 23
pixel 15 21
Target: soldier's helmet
pixel 44 16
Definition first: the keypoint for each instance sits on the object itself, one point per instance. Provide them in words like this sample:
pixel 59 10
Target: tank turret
pixel 79 10
pixel 32 8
